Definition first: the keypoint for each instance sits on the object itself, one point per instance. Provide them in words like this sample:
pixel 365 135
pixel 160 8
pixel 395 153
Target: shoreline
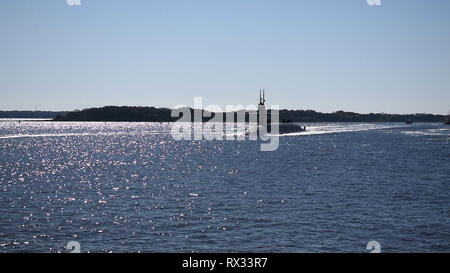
pixel 131 121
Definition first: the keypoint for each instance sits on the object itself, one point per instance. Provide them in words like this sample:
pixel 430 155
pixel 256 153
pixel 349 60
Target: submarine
pixel 284 127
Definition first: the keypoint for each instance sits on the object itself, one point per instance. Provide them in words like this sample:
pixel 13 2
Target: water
pixel 129 187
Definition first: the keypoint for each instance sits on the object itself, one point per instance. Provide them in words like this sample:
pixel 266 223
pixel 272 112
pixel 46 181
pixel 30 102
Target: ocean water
pixel 130 187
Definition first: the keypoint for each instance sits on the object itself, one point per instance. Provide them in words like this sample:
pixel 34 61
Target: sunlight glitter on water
pixel 132 187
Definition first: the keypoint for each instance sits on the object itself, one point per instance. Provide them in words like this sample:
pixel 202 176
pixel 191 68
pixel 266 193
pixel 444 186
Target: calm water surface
pixel 131 187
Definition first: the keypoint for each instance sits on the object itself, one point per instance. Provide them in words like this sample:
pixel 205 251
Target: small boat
pixel 409 122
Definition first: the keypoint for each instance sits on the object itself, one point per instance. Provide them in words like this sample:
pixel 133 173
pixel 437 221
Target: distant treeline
pixel 30 114
pixel 119 113
pixel 341 116
pixel 152 114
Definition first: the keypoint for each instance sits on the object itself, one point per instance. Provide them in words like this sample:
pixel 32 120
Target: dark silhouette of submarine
pixel 284 127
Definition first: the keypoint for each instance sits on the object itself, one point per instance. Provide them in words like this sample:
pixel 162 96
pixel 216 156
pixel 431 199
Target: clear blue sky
pixel 325 55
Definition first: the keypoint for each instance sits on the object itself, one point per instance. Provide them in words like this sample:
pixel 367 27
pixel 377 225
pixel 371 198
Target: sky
pixel 325 55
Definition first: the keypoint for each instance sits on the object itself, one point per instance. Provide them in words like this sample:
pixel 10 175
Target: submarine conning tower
pixel 262 100
pixel 262 111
